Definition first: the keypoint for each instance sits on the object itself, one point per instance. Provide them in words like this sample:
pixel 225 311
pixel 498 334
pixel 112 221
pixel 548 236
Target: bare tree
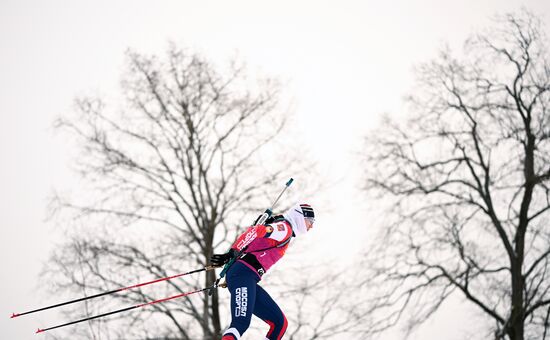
pixel 317 298
pixel 320 305
pixel 466 180
pixel 167 180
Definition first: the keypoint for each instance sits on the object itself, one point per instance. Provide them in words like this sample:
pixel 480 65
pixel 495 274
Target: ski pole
pixel 267 213
pixel 14 315
pixel 40 330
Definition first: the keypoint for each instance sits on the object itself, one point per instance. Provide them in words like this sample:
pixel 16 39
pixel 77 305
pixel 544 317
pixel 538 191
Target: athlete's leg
pixel 266 309
pixel 241 282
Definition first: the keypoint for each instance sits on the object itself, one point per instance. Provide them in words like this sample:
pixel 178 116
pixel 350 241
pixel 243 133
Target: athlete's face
pixel 309 223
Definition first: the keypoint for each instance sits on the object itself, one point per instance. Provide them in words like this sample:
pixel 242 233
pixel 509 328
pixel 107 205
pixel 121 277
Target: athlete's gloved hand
pixel 269 220
pixel 218 260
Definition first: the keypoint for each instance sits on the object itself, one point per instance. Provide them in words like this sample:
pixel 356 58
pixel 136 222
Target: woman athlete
pixel 256 250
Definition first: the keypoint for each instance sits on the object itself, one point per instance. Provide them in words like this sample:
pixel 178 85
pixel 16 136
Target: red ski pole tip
pixel 14 315
pixel 39 331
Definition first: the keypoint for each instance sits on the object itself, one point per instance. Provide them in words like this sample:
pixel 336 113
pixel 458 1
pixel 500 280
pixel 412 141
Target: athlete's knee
pixel 277 327
pixel 284 325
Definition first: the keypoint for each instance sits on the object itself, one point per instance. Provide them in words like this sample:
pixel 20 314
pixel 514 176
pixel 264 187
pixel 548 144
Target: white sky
pixel 346 62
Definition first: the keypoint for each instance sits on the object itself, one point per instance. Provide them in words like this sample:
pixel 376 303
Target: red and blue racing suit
pixel 262 246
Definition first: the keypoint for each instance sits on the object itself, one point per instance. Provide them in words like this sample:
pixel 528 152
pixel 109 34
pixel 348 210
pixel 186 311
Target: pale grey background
pixel 346 62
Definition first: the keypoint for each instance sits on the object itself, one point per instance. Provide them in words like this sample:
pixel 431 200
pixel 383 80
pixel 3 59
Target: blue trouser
pixel 248 298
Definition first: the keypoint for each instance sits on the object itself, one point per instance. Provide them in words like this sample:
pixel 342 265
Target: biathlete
pixel 259 248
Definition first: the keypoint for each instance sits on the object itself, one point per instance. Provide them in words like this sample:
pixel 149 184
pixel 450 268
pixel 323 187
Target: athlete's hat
pixel 296 215
pixel 307 211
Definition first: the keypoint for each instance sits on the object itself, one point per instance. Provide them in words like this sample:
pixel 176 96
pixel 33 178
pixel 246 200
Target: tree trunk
pixel 215 309
pixel 516 323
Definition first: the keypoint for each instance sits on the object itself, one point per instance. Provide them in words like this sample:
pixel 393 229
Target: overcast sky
pixel 345 63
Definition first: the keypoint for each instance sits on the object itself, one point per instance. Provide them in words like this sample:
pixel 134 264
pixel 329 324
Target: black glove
pixel 269 220
pixel 218 260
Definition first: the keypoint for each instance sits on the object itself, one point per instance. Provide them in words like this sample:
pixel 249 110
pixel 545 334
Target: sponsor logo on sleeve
pixel 248 238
